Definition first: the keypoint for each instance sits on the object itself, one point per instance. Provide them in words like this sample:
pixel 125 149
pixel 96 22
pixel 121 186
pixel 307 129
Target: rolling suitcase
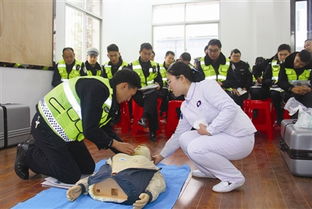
pixel 296 146
pixel 14 124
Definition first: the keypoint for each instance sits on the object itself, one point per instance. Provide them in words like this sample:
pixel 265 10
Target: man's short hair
pixel 68 48
pixel 305 56
pixel 309 39
pixel 284 47
pixel 169 52
pixel 185 56
pixel 147 46
pixel 112 48
pixel 235 51
pixel 126 75
pixel 215 42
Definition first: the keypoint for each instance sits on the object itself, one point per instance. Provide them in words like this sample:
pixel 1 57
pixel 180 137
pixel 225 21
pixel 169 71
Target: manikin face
pixel 169 59
pixel 175 85
pixel 213 52
pixel 124 92
pixel 92 59
pixel 146 54
pixel 308 46
pixel 282 55
pixel 298 63
pixel 69 56
pixel 235 57
pixel 113 56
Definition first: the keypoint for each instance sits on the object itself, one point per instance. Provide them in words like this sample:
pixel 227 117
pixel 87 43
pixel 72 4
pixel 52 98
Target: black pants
pixel 52 156
pixel 149 104
pixel 277 100
pixel 238 99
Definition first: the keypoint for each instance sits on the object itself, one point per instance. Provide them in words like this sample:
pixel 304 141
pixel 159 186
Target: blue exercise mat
pixel 175 177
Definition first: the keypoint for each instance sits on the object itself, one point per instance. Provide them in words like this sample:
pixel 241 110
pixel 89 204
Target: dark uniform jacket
pixel 239 75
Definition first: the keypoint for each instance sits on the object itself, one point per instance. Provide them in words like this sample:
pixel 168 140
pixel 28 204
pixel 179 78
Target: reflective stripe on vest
pixel 210 73
pixel 108 69
pixel 61 109
pixel 163 73
pixel 152 72
pixel 75 71
pixel 292 75
pixel 275 70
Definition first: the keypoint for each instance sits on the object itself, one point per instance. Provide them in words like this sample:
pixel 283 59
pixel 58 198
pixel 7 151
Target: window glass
pixel 94 6
pixel 301 24
pixel 198 36
pixel 202 11
pixel 168 13
pixel 74 31
pixel 92 32
pixel 168 38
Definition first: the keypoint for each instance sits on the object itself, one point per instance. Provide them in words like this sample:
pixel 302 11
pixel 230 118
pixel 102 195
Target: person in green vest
pixel 79 108
pixel 91 66
pixel 67 68
pixel 214 65
pixel 295 77
pixel 270 80
pixel 115 61
pixel 164 93
pixel 148 72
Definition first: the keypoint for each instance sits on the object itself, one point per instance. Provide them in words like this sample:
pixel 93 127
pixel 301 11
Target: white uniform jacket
pixel 207 101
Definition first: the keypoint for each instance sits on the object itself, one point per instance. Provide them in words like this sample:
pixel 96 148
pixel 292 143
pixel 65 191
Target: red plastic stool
pixel 263 120
pixel 124 122
pixel 137 112
pixel 172 116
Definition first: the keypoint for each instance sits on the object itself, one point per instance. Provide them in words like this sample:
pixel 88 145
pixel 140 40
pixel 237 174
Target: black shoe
pixel 21 169
pixel 153 136
pixel 143 122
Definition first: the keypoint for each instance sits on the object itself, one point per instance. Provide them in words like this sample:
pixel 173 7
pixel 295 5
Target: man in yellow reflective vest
pixel 295 77
pixel 91 66
pixel 148 72
pixel 214 65
pixel 115 62
pixel 67 68
pixel 270 80
pixel 79 108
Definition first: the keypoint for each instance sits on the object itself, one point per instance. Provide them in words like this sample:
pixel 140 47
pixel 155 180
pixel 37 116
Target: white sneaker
pixel 225 186
pixel 197 173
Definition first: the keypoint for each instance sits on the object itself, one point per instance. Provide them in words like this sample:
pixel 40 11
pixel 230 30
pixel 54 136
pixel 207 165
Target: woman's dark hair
pixel 128 76
pixel 180 68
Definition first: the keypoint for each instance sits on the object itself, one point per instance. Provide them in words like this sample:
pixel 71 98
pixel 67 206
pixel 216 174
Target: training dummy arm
pixel 81 187
pixel 155 187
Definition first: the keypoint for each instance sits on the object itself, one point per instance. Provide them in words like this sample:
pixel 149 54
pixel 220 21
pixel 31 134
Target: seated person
pixel 295 77
pixel 127 179
pixel 270 79
pixel 239 78
pixel 257 91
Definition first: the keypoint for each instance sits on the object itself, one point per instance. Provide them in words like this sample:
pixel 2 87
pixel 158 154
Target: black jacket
pixel 239 75
pixel 282 77
pixel 91 68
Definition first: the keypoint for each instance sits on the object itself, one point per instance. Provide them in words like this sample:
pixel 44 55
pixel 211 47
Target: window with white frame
pixel 83 26
pixel 184 27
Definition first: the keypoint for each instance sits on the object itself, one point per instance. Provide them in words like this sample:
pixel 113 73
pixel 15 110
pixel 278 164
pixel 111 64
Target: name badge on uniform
pixel 198 103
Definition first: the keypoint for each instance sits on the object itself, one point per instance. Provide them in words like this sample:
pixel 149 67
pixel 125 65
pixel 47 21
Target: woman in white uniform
pixel 223 131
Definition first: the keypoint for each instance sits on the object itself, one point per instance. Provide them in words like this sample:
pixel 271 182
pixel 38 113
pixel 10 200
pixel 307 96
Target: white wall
pixel 256 27
pixel 127 24
pixel 24 86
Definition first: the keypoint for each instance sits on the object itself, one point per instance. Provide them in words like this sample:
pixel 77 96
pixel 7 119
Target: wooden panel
pixel 26 31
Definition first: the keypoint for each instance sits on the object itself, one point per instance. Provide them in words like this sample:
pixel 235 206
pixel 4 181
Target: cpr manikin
pixel 127 179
